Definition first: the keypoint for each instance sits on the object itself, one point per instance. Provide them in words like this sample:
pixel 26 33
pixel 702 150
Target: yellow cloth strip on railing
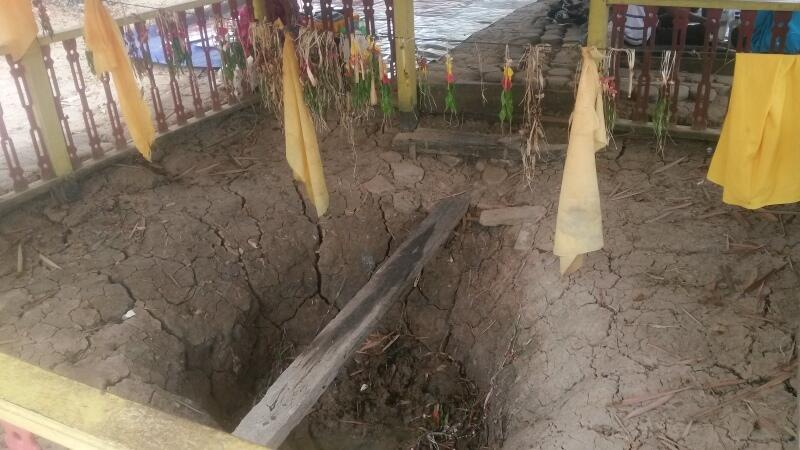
pixel 757 160
pixel 302 148
pixel 579 225
pixel 17 27
pixel 103 38
pixel 81 417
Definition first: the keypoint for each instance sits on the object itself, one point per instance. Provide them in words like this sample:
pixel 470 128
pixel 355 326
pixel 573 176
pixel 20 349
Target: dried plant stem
pixel 532 104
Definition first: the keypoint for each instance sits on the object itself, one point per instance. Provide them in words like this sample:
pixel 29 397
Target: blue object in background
pixel 762 34
pixel 198 55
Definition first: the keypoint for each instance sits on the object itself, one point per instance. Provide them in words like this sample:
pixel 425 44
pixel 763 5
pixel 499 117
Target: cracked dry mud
pixel 230 275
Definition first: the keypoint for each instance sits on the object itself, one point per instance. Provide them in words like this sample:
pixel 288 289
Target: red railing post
pixel 113 113
pixel 308 10
pixel 390 31
pixel 744 41
pixel 174 87
pixel 702 99
pixel 326 8
pixel 199 110
pixel 347 10
pixel 643 83
pixel 202 25
pixel 143 36
pixel 780 28
pixel 234 7
pixel 618 19
pixel 680 25
pixel 71 47
pixel 369 16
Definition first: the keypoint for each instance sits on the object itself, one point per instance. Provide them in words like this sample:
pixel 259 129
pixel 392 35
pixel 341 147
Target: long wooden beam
pixel 465 144
pixel 78 416
pixel 299 387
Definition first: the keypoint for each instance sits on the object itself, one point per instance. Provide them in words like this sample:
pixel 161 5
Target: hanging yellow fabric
pixel 302 149
pixel 757 160
pixel 103 38
pixel 17 27
pixel 579 225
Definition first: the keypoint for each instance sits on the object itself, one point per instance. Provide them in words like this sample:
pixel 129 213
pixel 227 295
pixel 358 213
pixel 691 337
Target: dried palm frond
pixel 532 61
pixel 426 100
pixel 608 83
pixel 268 66
pixel 661 114
pixel 321 69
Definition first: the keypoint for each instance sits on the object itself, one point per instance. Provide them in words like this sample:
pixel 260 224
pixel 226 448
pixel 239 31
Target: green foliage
pixel 506 107
pixel 661 118
pixel 450 100
pixel 387 106
pixel 232 59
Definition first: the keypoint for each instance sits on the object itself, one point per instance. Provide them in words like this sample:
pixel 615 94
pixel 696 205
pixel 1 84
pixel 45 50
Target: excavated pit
pixel 229 275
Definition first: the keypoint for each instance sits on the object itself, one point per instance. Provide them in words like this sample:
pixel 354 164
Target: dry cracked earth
pixel 191 283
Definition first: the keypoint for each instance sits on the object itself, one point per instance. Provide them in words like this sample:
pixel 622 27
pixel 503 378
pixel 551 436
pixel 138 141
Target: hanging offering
pixel 661 114
pixel 450 95
pixel 506 96
pixel 423 87
pixel 387 107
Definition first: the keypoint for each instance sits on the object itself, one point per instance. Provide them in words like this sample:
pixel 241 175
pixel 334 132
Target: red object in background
pixel 243 27
pixel 19 439
pixel 506 83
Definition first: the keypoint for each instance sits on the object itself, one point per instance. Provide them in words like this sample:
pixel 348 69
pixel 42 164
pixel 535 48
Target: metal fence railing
pixel 607 26
pixel 56 116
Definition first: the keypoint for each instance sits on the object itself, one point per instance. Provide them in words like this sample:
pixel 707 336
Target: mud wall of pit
pixel 227 282
pixel 230 274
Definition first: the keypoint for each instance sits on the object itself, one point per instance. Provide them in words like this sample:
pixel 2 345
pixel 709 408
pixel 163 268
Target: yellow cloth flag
pixel 579 225
pixel 17 27
pixel 757 161
pixel 103 38
pixel 302 149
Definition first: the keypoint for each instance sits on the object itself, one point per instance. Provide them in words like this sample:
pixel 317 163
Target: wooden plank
pixel 78 416
pixel 464 144
pixel 299 387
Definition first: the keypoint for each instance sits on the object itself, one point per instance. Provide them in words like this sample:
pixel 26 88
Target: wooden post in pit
pixel 299 387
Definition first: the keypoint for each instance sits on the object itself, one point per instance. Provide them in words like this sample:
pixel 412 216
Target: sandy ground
pixel 230 275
